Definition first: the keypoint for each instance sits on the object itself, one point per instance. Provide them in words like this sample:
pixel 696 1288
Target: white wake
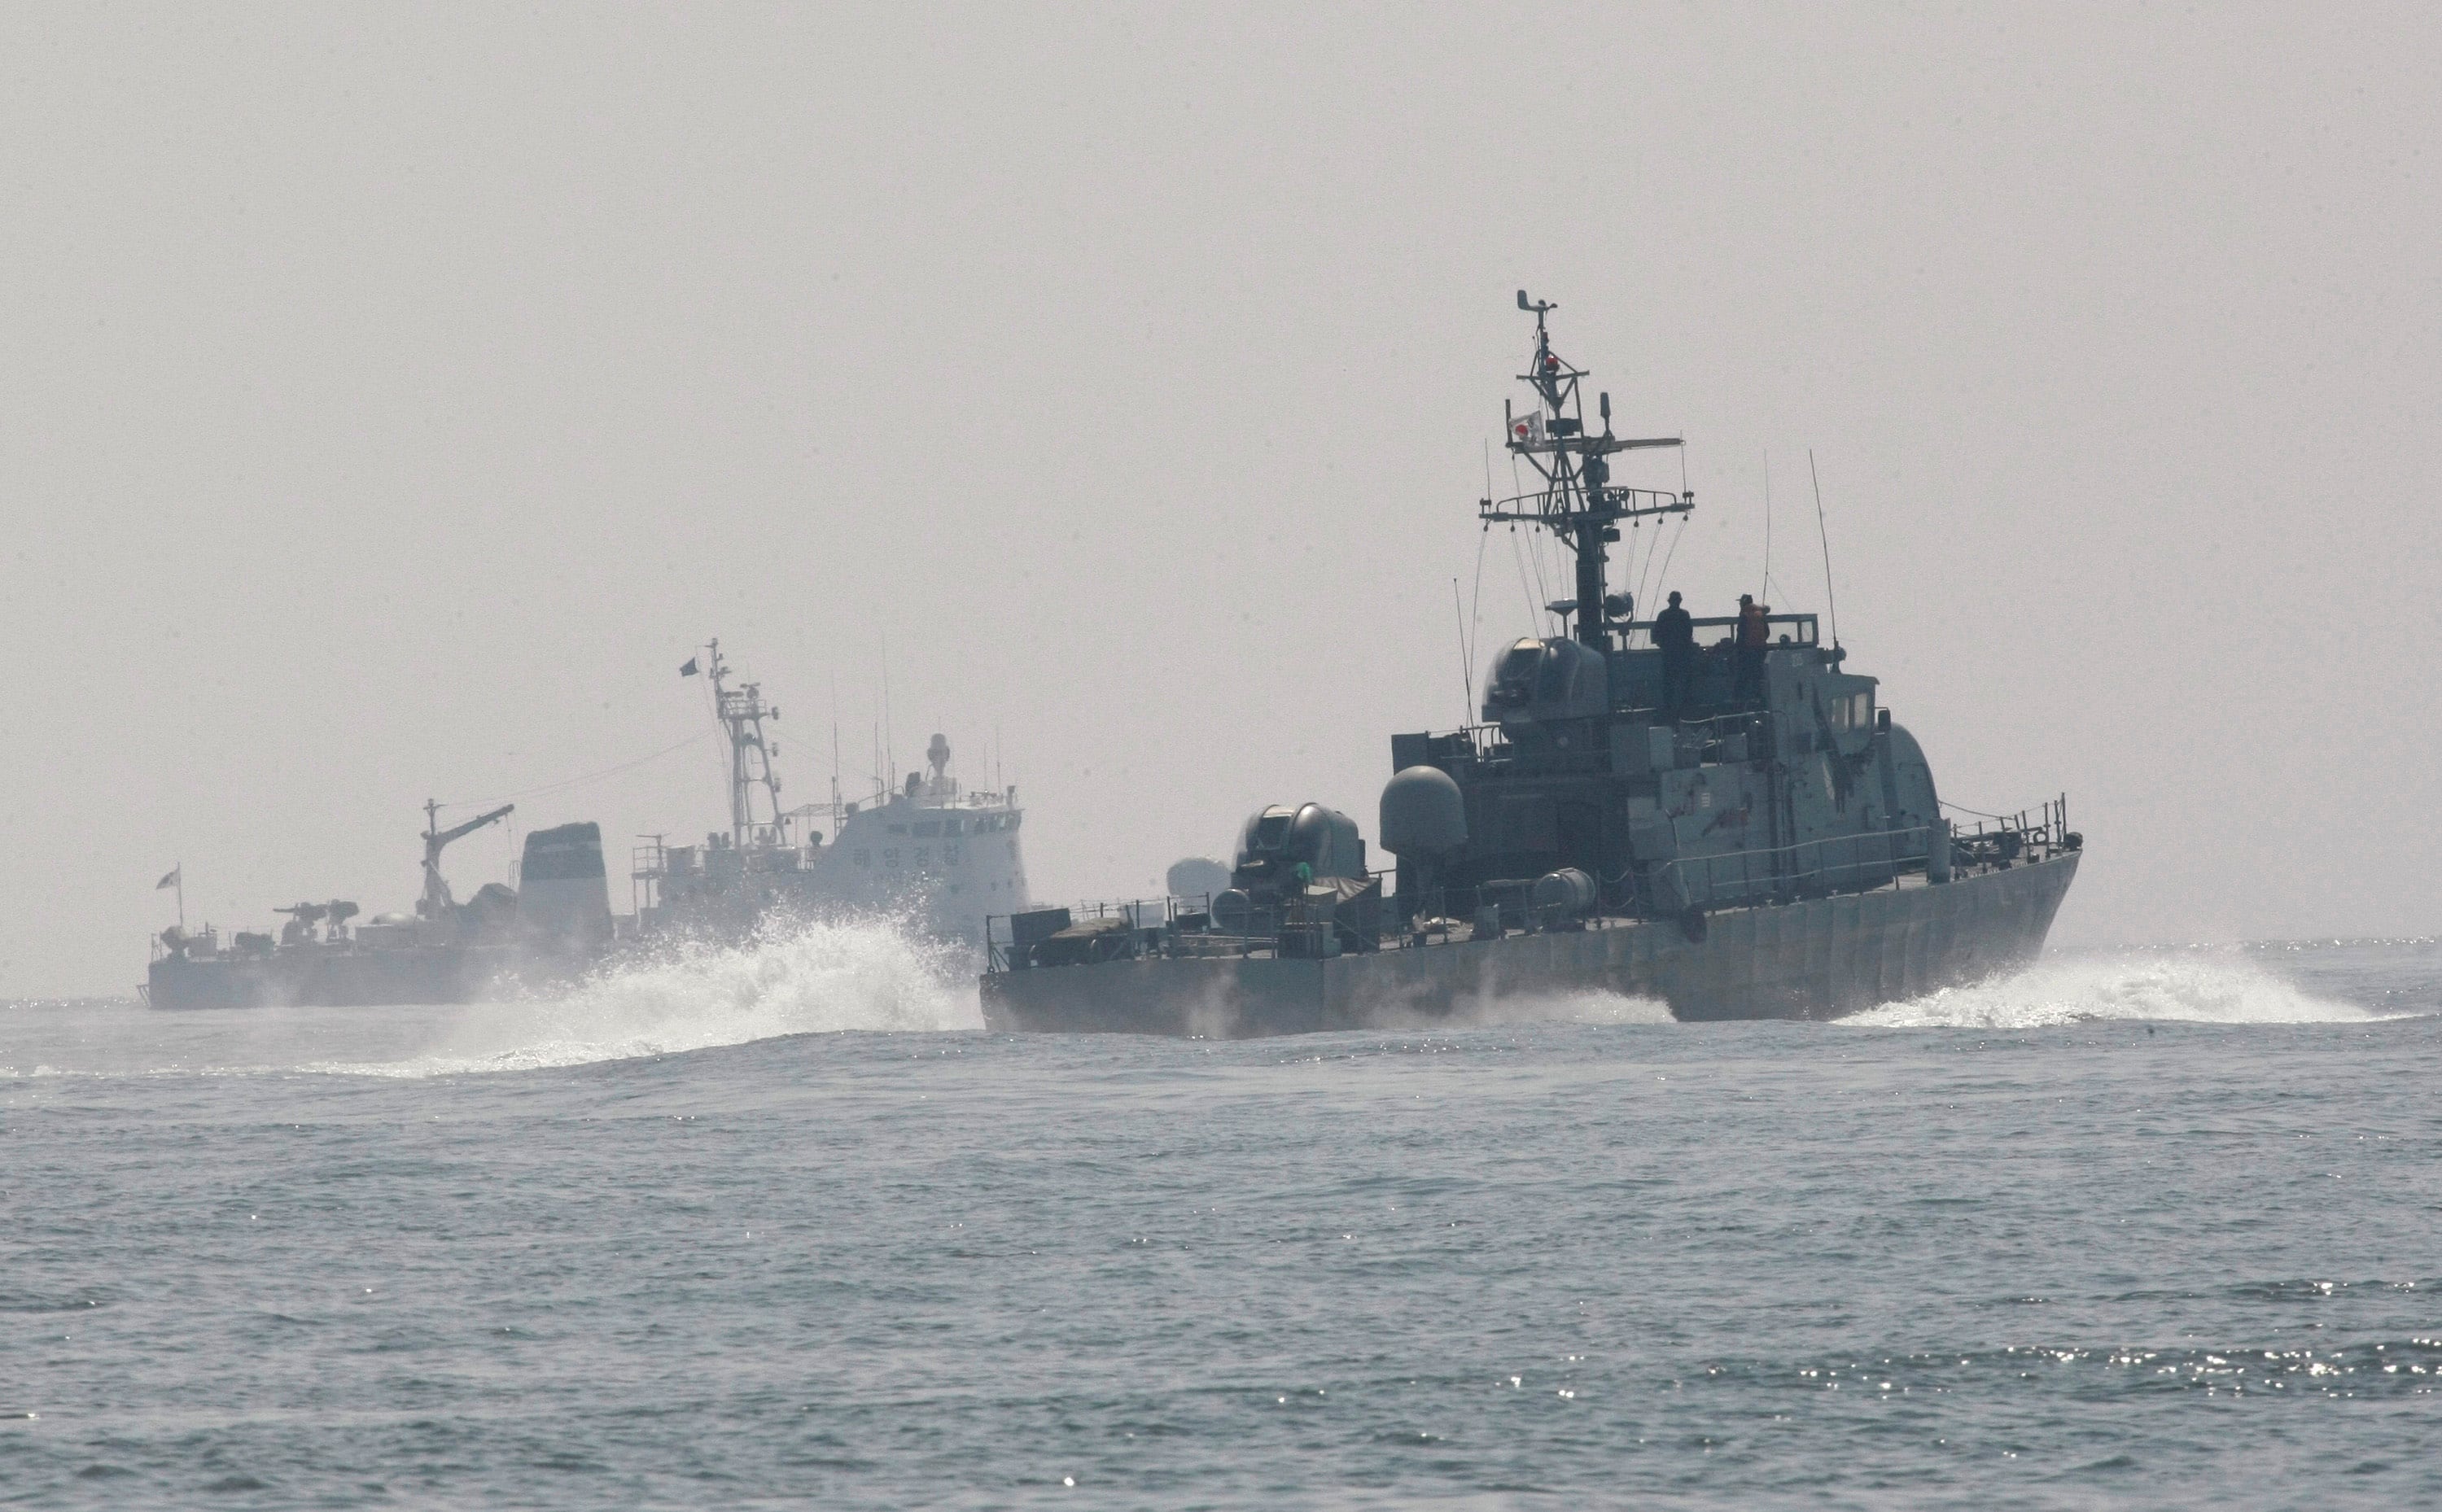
pixel 2199 989
pixel 805 978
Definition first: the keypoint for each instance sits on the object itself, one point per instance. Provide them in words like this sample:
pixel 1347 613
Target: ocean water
pixel 784 1227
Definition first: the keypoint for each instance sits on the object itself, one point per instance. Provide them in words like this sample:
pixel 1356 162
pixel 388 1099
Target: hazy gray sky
pixel 393 396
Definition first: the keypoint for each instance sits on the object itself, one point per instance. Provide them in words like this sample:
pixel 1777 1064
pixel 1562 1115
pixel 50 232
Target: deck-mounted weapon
pixel 1577 502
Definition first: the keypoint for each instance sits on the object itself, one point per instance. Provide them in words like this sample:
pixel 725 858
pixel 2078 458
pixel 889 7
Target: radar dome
pixel 1423 814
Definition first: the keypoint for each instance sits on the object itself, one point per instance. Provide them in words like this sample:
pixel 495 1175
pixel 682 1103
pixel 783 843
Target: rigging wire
pixel 1979 813
pixel 1475 607
pixel 1645 578
pixel 1534 554
pixel 1466 666
pixel 697 738
pixel 1663 582
pixel 1652 547
pixel 1483 540
pixel 1526 590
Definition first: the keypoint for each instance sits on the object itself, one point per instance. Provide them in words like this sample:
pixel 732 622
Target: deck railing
pixel 1144 915
pixel 1862 862
pixel 1809 869
pixel 1185 927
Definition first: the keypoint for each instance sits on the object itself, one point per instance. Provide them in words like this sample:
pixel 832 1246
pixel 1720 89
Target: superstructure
pixel 1737 826
pixel 928 850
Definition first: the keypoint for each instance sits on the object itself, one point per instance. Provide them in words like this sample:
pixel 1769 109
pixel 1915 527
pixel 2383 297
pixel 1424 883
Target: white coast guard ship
pixel 930 851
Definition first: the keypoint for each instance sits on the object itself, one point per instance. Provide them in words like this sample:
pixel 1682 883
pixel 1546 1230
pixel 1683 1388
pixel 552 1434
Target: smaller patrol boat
pixel 930 853
pixel 554 924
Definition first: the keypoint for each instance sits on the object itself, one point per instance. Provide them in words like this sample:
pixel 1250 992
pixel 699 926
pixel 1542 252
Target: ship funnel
pixel 937 754
pixel 563 896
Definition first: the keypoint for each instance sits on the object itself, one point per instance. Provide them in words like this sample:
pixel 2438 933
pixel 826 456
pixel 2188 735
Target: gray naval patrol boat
pixel 554 925
pixel 1738 830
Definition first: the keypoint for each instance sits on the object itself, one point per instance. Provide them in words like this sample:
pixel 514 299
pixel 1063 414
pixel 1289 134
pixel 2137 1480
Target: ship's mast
pixel 742 713
pixel 1577 502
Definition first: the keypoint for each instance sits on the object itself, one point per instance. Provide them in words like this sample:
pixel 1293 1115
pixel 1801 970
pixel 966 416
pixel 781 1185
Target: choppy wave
pixel 2216 987
pixel 805 978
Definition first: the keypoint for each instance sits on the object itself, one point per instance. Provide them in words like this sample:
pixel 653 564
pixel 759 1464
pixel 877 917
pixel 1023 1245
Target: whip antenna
pixel 1765 592
pixel 1828 602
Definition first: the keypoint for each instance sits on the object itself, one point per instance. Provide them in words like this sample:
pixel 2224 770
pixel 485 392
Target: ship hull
pixel 1815 959
pixel 336 979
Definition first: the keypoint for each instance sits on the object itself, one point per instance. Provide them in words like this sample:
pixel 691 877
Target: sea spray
pixel 1592 1005
pixel 865 973
pixel 2199 987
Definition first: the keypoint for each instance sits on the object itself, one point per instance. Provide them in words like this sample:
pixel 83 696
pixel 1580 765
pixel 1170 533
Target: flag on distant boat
pixel 688 670
pixel 1526 428
pixel 168 879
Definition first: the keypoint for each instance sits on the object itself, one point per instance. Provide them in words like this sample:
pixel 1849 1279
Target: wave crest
pixel 2188 988
pixel 800 979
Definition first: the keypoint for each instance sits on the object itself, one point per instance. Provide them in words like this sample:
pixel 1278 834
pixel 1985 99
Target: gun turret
pixel 301 919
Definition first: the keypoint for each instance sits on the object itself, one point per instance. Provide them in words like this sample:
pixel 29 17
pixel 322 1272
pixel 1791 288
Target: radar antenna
pixel 1577 502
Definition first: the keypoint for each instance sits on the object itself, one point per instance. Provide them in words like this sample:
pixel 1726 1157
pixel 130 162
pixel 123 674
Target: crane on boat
pixel 437 901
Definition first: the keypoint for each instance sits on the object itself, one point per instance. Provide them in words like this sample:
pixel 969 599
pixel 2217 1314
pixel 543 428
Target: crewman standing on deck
pixel 1674 634
pixel 1753 639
